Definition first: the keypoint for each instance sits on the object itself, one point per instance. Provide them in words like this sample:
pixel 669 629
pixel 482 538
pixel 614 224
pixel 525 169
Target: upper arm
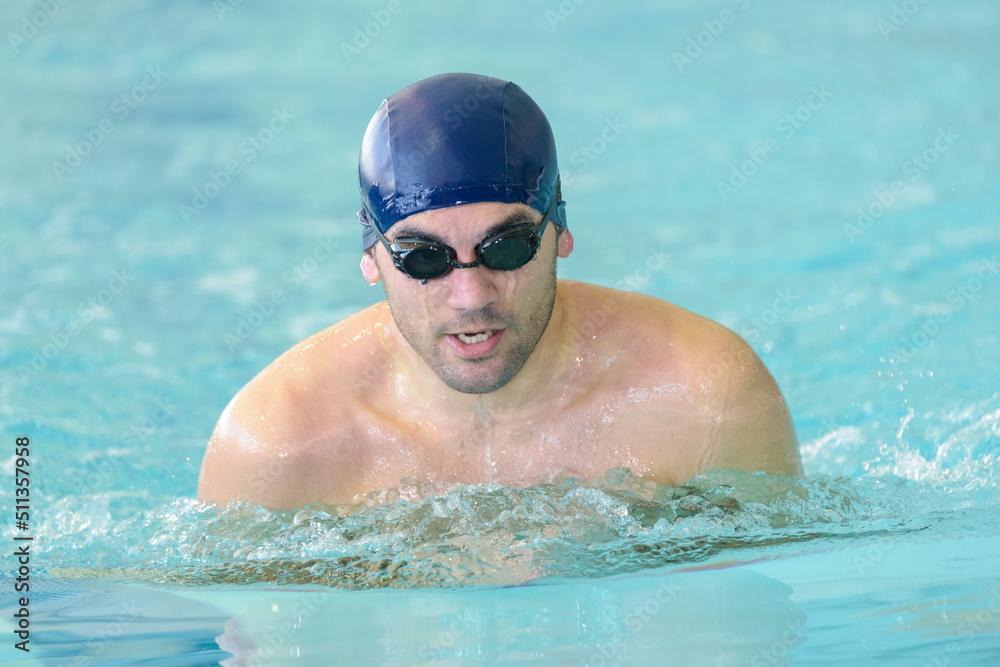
pixel 242 466
pixel 754 431
pixel 721 408
pixel 287 439
pixel 267 449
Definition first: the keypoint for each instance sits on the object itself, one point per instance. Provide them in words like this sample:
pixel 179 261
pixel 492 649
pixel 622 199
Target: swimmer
pixel 481 366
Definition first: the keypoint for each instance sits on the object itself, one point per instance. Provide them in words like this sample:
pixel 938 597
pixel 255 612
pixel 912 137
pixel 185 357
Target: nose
pixel 471 289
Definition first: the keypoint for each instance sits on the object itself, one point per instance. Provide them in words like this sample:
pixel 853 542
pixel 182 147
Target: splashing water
pixel 414 536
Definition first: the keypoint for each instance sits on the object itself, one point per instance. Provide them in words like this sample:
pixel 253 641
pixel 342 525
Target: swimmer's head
pixel 456 139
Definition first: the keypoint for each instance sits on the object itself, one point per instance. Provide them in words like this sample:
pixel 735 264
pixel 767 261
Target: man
pixel 480 366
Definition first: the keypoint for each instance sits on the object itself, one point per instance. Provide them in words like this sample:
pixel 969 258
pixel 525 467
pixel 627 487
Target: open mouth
pixel 473 344
pixel 469 339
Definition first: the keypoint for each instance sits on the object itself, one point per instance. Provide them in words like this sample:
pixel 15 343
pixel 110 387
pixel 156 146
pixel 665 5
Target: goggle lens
pixel 504 251
pixel 425 262
pixel 509 252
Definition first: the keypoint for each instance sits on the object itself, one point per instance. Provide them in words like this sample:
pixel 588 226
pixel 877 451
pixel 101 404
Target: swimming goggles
pixel 506 250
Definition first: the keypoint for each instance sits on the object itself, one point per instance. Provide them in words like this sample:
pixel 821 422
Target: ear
pixel 564 243
pixel 369 269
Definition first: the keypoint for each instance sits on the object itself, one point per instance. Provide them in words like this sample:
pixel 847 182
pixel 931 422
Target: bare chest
pixel 520 450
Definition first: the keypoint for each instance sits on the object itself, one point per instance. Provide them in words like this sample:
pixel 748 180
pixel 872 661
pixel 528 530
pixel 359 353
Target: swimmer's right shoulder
pixel 274 441
pixel 320 370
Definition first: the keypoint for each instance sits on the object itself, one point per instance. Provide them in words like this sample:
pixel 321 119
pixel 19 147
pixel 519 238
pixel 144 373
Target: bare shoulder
pixel 654 331
pixel 274 442
pixel 717 402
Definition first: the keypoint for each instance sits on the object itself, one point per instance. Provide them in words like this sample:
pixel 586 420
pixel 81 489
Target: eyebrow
pixel 510 220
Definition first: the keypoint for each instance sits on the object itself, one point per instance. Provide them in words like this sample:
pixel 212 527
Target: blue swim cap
pixel 456 139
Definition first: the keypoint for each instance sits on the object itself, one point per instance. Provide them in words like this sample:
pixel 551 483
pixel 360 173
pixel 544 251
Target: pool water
pixel 177 197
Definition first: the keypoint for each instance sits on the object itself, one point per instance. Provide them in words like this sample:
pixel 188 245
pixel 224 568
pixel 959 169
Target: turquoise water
pixel 852 241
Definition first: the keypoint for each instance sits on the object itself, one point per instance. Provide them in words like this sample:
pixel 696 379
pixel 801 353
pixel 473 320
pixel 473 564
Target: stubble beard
pixel 525 332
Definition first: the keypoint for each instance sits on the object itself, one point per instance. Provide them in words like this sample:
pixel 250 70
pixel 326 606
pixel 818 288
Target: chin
pixel 477 380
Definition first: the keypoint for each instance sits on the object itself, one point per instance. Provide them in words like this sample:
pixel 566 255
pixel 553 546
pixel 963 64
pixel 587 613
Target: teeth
pixel 475 338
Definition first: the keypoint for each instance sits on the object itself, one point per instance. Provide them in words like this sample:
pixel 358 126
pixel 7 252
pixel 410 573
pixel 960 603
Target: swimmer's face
pixel 474 327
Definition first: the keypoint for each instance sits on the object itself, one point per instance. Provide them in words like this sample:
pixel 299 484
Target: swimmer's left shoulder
pixel 705 381
pixel 646 323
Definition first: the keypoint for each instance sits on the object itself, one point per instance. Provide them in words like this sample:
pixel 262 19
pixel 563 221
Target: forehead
pixel 465 222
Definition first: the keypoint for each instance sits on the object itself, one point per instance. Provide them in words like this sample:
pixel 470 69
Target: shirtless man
pixel 481 366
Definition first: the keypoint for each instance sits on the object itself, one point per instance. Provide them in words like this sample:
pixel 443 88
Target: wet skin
pixel 571 378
